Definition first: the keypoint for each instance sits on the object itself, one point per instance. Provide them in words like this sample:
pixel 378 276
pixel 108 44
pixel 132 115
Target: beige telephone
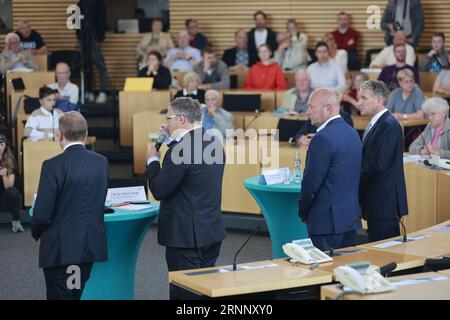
pixel 305 252
pixel 363 279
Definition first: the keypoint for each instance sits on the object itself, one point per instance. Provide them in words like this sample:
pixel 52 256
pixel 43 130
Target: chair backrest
pixel 427 80
pixel 41 62
pixel 288 128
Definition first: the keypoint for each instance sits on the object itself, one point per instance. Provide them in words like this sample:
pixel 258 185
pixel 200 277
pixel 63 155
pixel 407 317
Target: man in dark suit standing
pixel 189 186
pixel 68 213
pixel 382 190
pixel 260 35
pixel 329 196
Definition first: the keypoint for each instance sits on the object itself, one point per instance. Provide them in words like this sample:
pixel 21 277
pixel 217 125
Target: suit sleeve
pixel 319 158
pixel 164 181
pixel 45 202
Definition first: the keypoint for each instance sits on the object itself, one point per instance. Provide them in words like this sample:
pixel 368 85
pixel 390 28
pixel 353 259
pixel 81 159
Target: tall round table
pixel 279 206
pixel 114 279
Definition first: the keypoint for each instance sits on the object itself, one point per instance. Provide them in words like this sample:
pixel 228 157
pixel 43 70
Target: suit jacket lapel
pixel 375 127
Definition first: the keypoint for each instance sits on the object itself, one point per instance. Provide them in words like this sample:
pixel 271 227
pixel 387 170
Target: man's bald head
pixel 322 105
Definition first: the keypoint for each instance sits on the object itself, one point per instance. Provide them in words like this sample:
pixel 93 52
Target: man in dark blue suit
pixel 382 191
pixel 329 197
pixel 189 186
pixel 68 213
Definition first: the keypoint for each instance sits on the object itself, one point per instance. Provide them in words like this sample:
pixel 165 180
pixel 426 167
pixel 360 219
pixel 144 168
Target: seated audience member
pixel 435 139
pixel 337 55
pixel 216 117
pixel 406 102
pixel 265 74
pixel 13 58
pixel 30 39
pixel 325 73
pixel 10 198
pixel 291 55
pixel 238 58
pixel 156 70
pixel 437 58
pixel 403 15
pixel 346 38
pixel 260 34
pixel 43 123
pixel 441 85
pixel 66 89
pixel 183 58
pixel 296 99
pixel 389 74
pixel 296 35
pixel 213 73
pixel 191 82
pixel 196 39
pixel 308 130
pixel 350 97
pixel 153 41
pixel 387 56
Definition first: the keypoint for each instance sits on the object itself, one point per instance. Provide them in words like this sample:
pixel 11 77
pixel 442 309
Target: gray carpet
pixel 20 277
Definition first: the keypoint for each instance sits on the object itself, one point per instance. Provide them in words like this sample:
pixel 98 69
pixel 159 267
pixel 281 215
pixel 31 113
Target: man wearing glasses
pixel 328 201
pixel 13 58
pixel 66 89
pixel 189 186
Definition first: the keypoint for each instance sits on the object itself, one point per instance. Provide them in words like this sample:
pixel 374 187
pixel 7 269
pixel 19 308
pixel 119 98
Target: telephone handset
pixel 305 252
pixel 371 281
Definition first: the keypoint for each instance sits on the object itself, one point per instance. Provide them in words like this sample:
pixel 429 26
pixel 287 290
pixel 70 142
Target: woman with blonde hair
pixel 10 199
pixel 191 82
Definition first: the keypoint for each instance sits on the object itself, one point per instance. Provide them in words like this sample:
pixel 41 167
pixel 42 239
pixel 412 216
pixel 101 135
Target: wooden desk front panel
pixel 34 154
pixel 134 102
pixel 443 196
pixel 421 189
pixel 144 123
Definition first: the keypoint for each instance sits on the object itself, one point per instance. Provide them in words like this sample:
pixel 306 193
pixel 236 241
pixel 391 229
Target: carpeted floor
pixel 20 277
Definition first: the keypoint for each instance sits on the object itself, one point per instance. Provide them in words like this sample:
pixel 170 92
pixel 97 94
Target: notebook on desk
pixel 138 85
pixel 242 102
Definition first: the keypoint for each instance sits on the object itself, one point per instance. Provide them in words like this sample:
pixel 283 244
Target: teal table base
pixel 279 206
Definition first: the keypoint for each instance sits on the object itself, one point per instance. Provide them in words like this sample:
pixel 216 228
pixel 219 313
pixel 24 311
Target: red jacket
pixel 266 77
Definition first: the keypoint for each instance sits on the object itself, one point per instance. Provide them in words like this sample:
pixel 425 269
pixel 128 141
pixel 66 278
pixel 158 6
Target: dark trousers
pixel 11 202
pixel 382 229
pixel 192 258
pixel 56 282
pixel 93 55
pixel 326 242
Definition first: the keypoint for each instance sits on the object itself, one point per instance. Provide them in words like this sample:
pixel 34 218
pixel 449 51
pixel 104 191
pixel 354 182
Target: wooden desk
pixel 432 290
pixel 241 77
pixel 34 154
pixel 375 257
pixel 434 246
pixel 443 197
pixel 361 122
pixel 41 61
pixel 32 80
pixel 433 229
pixel 243 282
pixel 134 102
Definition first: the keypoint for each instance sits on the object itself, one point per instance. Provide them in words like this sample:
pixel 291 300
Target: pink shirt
pixel 435 140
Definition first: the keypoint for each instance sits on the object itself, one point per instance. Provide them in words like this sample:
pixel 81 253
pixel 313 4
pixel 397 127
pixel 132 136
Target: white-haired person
pixel 216 117
pixel 435 139
pixel 13 58
pixel 191 83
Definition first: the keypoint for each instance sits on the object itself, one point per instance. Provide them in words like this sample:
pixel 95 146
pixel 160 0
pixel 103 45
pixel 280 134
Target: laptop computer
pixel 128 25
pixel 242 102
pixel 144 84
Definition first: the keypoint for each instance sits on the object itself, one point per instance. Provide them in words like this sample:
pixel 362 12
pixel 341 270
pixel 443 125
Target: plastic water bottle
pixel 297 172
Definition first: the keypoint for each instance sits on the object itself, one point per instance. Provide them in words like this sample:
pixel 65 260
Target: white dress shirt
pixel 326 75
pixel 326 122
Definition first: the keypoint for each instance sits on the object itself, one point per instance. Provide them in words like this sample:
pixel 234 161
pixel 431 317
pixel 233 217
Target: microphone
pixel 53 123
pixel 161 138
pixel 405 235
pixel 386 270
pixel 253 119
pixel 248 239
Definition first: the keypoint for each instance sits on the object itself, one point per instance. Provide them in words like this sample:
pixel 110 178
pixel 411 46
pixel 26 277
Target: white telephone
pixel 305 252
pixel 363 279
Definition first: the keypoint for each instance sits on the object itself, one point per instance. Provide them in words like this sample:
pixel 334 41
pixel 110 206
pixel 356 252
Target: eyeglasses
pixel 173 116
